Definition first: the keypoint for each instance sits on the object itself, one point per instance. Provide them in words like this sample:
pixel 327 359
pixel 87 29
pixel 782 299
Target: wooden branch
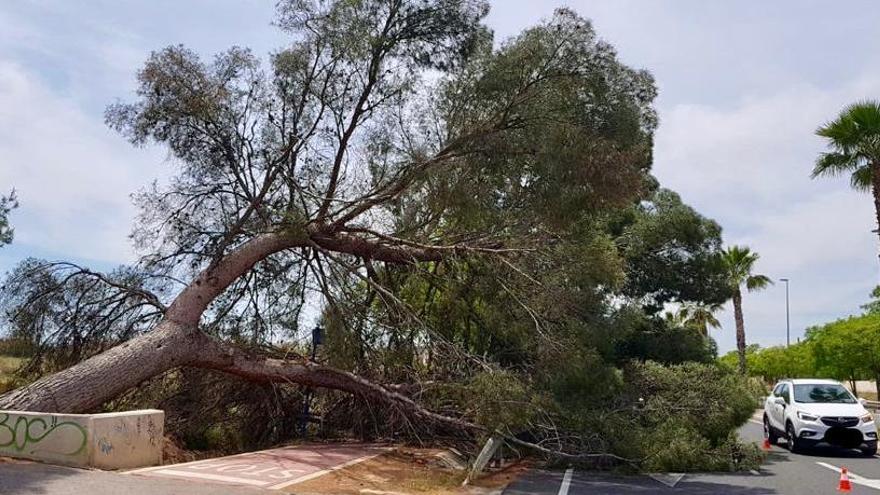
pixel 223 357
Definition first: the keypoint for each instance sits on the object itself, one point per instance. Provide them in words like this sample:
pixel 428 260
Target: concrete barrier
pixel 105 441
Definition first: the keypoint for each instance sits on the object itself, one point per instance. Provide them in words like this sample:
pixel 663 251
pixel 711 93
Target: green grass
pixel 8 366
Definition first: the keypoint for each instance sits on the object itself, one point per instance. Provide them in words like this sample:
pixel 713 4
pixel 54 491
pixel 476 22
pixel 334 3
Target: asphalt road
pixel 33 478
pixel 782 473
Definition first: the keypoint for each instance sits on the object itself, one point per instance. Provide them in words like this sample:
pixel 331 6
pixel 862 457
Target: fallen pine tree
pixel 455 214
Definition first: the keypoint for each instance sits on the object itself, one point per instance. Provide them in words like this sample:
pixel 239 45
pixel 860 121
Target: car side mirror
pixel 779 400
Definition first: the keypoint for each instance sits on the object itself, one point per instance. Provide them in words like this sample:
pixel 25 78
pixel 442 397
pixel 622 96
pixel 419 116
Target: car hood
pixel 833 409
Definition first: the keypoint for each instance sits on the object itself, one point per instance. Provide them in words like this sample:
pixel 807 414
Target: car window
pixel 784 393
pixel 821 393
pixel 777 389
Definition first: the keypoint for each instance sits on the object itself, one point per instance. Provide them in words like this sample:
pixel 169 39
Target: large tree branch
pixel 223 357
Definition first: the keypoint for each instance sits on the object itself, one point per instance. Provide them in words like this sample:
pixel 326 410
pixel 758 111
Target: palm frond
pixel 862 179
pixel 757 282
pixel 834 163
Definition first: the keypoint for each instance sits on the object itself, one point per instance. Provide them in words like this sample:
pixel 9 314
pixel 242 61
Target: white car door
pixel 779 409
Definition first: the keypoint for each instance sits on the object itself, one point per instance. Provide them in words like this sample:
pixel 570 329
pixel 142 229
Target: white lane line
pixel 324 471
pixel 566 482
pixel 854 478
pixel 215 477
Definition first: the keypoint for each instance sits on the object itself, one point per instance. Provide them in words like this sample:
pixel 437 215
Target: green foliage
pixel 690 415
pixel 7 204
pixel 739 261
pixel 873 306
pixel 501 401
pixel 774 363
pixel 578 113
pixel 9 366
pixel 672 253
pixel 704 397
pixel 854 142
pixel 655 339
pixel 848 349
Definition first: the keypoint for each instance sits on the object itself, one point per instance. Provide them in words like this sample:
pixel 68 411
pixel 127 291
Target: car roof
pixel 804 381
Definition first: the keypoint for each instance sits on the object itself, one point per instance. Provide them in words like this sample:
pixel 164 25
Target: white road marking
pixel 215 477
pixel 325 471
pixel 854 478
pixel 566 482
pixel 668 479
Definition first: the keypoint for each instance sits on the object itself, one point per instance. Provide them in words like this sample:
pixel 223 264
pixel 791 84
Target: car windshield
pixel 823 394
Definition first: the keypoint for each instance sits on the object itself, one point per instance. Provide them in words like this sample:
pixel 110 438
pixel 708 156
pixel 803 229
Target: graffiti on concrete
pixel 31 431
pixel 105 446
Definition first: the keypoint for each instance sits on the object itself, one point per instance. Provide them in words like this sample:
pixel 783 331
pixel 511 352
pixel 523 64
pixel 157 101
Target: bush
pixel 689 417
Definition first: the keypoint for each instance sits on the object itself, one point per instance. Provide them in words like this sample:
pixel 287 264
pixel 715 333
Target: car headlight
pixel 867 418
pixel 807 417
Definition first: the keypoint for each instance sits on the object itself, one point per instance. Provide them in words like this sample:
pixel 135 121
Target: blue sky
pixel 742 87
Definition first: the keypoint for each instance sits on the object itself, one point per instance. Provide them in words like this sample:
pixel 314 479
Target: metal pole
pixel 787 318
pixel 317 339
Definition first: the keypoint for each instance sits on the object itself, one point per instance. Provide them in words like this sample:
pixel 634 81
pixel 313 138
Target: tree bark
pixel 86 385
pixel 177 341
pixel 740 330
pixel 875 189
pixel 877 383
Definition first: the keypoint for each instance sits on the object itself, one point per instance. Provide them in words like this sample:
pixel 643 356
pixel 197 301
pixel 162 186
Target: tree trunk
pixel 740 330
pixel 177 341
pixel 875 189
pixel 86 385
pixel 877 383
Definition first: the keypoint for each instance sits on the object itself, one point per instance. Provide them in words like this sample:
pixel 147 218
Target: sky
pixel 743 86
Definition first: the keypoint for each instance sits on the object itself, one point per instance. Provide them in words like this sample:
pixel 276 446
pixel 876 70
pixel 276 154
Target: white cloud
pixel 73 175
pixel 748 167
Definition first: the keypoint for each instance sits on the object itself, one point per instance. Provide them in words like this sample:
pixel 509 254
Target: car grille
pixel 840 421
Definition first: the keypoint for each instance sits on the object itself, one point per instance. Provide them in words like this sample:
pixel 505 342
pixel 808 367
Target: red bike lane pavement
pixel 272 469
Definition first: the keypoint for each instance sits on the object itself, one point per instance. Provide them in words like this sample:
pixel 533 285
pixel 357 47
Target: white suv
pixel 809 411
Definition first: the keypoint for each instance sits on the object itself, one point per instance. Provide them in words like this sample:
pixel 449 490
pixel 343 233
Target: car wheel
pixel 769 434
pixel 870 450
pixel 793 444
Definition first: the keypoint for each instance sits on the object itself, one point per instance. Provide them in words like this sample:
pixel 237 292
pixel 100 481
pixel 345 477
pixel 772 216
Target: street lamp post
pixel 787 319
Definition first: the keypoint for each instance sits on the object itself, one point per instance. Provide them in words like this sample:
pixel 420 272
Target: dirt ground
pixel 405 471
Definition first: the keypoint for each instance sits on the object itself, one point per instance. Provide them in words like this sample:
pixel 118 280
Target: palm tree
pixel 700 316
pixel 738 263
pixel 854 148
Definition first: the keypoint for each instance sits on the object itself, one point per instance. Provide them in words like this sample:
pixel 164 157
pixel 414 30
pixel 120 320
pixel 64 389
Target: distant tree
pixel 854 148
pixel 873 306
pixel 739 261
pixel 848 349
pixel 7 204
pixel 700 316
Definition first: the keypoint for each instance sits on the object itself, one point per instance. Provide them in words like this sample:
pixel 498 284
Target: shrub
pixel 689 416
